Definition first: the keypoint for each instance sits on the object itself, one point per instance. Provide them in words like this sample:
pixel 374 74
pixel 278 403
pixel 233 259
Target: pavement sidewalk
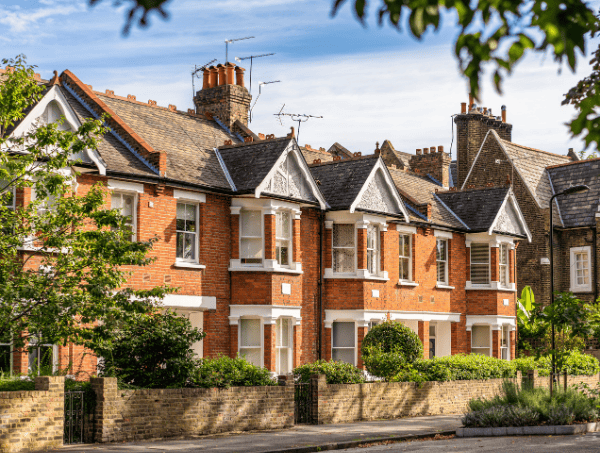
pixel 299 439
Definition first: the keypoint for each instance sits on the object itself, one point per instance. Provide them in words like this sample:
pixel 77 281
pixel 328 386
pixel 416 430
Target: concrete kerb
pixel 360 443
pixel 562 430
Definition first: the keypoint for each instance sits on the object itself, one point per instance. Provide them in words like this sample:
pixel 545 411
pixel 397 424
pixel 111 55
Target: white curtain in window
pixel 480 264
pixel 251 242
pixel 343 342
pixel 251 340
pixel 343 248
pixel 480 340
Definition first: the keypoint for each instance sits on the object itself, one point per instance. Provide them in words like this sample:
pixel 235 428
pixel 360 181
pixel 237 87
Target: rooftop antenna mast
pixel 260 84
pixel 229 41
pixel 195 72
pixel 299 117
pixel 251 57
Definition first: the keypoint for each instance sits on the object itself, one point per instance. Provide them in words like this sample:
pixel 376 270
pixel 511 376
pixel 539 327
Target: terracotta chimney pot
pixel 221 72
pixel 426 150
pixel 470 101
pixel 440 149
pixel 205 77
pixel 463 107
pixel 229 67
pixel 432 150
pixel 212 77
pixel 239 76
pixel 504 114
pixel 418 152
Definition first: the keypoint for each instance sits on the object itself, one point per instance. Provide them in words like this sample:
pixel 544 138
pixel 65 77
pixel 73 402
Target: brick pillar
pixel 233 340
pixel 326 346
pixel 270 359
pixel 235 236
pixel 424 337
pixel 297 249
pixel 494 263
pixel 361 332
pixel 496 344
pixel 50 433
pixel 297 351
pixel 318 385
pixel 361 248
pixel 270 236
pixel 327 252
pixel 105 416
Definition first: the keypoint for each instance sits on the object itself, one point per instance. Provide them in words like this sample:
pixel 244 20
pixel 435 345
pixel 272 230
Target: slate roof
pixel 477 208
pixel 250 163
pixel 421 190
pixel 338 150
pixel 188 140
pixel 579 209
pixel 342 180
pixel 453 173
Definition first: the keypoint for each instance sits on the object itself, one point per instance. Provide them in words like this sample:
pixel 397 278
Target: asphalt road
pixel 587 443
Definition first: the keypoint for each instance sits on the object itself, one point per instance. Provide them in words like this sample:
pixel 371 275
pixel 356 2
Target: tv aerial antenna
pixel 251 57
pixel 195 72
pixel 298 117
pixel 260 85
pixel 231 41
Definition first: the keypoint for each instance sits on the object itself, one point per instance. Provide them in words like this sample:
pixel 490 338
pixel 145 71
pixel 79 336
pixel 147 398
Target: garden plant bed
pixel 543 430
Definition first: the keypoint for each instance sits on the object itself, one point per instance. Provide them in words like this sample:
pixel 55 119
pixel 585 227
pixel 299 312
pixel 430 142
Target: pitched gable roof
pixel 577 210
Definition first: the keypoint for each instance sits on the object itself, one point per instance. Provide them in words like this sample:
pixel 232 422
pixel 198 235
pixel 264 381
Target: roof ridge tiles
pixel 537 150
pixel 573 163
pixel 341 161
pixel 132 98
pixel 254 142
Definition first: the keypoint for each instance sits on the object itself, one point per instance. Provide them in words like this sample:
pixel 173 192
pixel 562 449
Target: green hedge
pixel 14 383
pixel 576 364
pixel 227 372
pixel 336 372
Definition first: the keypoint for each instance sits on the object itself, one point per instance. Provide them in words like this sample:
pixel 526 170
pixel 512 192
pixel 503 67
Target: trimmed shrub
pixel 13 383
pixel 335 372
pixel 390 347
pixel 225 372
pixel 499 416
pixel 576 364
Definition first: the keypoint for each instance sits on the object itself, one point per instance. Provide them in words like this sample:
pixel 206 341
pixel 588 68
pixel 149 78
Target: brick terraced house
pixel 287 254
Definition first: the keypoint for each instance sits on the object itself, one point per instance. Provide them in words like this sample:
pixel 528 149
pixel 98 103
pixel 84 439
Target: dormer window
pixel 251 238
pixel 344 250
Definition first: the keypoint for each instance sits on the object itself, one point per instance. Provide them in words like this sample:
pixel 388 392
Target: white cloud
pixel 22 20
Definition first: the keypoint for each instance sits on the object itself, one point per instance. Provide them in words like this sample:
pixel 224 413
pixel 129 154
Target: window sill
pixel 267 266
pixel 189 265
pixel 442 286
pixel 493 286
pixel 407 283
pixel 580 290
pixel 361 274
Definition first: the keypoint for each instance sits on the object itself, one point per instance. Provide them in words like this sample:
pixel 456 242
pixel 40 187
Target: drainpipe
pixel 320 301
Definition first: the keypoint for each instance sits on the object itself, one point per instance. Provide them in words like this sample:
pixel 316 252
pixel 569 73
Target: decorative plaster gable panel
pixel 289 181
pixel 377 197
pixel 508 221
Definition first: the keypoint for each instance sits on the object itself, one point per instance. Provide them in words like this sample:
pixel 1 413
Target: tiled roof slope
pixel 116 156
pixel 578 209
pixel 342 180
pixel 249 164
pixel 311 154
pixel 531 164
pixel 476 207
pixel 187 140
pixel 421 191
pixel 338 150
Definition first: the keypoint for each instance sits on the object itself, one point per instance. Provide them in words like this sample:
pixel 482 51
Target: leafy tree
pixel 62 255
pixel 148 350
pixel 530 327
pixel 389 347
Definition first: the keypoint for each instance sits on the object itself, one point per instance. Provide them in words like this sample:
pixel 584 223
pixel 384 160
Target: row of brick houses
pixel 287 254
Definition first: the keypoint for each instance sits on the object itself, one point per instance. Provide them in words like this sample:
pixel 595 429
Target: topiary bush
pixel 390 347
pixel 335 372
pixel 226 372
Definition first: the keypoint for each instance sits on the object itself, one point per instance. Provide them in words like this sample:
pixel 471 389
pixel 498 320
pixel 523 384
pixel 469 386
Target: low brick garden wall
pixel 125 415
pixel 33 420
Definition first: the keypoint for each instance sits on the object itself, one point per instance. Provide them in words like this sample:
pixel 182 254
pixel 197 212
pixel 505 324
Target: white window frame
pixel 372 323
pixel 261 237
pixel 434 337
pixel 196 233
pixel 403 257
pixel 376 251
pixel 576 288
pixel 488 263
pixel 354 348
pixel 445 282
pixel 33 344
pixel 504 268
pixel 505 335
pixel 353 248
pixel 262 338
pixel 13 190
pixel 279 348
pixel 490 341
pixel 135 209
pixel 290 241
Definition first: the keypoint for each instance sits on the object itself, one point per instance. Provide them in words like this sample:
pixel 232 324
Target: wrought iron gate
pixel 73 433
pixel 302 403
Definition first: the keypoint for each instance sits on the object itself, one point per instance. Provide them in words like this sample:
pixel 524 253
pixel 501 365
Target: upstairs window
pixel 283 237
pixel 405 258
pixel 442 261
pixel 251 240
pixel 187 232
pixel 372 249
pixel 125 203
pixel 580 269
pixel 343 248
pixel 504 269
pixel 480 264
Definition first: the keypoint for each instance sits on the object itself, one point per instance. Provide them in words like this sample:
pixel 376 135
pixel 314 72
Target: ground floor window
pixel 43 357
pixel 284 341
pixel 373 323
pixel 5 354
pixel 343 342
pixel 480 340
pixel 505 343
pixel 432 338
pixel 250 340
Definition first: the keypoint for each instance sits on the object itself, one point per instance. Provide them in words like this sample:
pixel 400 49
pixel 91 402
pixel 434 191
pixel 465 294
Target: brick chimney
pixel 434 162
pixel 224 95
pixel 472 125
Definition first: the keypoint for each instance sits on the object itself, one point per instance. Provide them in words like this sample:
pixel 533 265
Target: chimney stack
pixel 503 108
pixel 435 164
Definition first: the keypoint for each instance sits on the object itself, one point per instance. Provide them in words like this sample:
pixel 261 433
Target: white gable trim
pixel 293 148
pixel 54 94
pixel 497 137
pixel 388 179
pixel 510 198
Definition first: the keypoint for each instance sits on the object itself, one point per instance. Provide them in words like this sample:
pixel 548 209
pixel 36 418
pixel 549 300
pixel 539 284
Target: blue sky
pixel 369 84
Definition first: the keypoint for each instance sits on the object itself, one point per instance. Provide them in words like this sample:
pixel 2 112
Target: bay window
pixel 343 248
pixel 187 232
pixel 405 258
pixel 442 261
pixel 126 204
pixel 480 264
pixel 372 249
pixel 250 340
pixel 284 345
pixel 505 343
pixel 283 237
pixel 251 238
pixel 480 340
pixel 504 269
pixel 343 342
